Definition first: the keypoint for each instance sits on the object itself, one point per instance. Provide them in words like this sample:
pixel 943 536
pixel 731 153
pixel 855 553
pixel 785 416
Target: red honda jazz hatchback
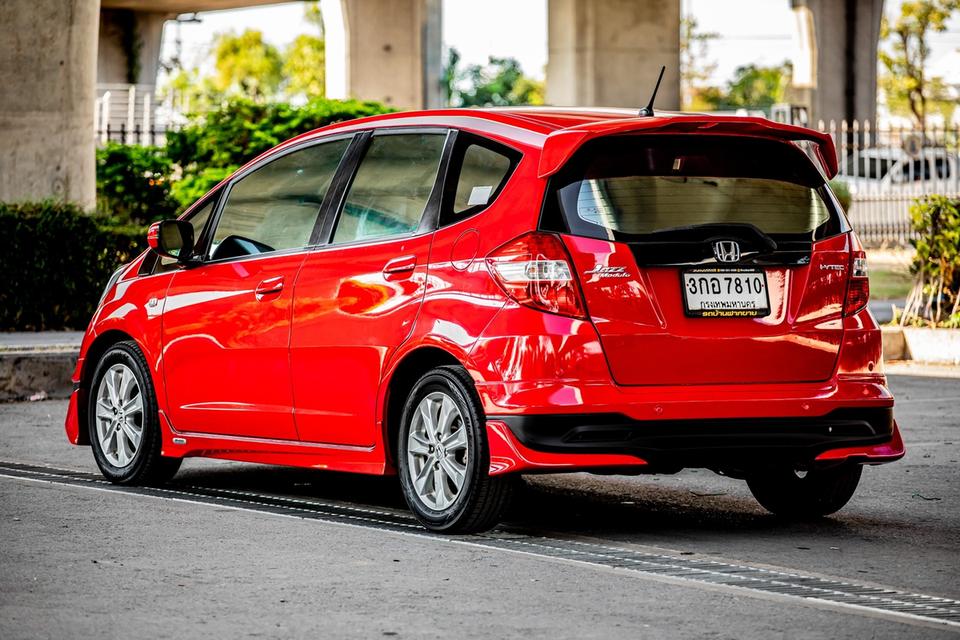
pixel 463 296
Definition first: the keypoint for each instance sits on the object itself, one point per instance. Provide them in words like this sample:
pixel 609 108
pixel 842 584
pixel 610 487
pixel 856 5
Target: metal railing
pixel 888 168
pixel 132 114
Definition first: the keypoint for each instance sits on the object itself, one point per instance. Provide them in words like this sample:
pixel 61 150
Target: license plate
pixel 725 293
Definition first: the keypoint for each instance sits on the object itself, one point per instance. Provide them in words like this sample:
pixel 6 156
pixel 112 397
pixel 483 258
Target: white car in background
pixel 893 171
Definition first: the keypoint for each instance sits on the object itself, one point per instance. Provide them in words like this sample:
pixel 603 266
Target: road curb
pixel 36 373
pixel 42 372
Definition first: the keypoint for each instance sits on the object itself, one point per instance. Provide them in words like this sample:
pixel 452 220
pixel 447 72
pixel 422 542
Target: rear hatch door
pixel 705 259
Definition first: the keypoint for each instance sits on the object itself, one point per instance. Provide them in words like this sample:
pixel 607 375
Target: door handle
pixel 400 267
pixel 269 286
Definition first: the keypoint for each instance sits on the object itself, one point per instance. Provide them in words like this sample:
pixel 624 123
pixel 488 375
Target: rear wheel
pixel 443 456
pixel 123 420
pixel 795 494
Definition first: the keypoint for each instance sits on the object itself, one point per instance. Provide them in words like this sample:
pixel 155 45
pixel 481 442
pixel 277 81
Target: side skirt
pixel 291 453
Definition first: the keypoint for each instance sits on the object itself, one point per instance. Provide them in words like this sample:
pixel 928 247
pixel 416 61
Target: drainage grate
pixel 773 581
pixel 755 578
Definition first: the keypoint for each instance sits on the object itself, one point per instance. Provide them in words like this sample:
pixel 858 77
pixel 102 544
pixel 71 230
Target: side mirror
pixel 172 239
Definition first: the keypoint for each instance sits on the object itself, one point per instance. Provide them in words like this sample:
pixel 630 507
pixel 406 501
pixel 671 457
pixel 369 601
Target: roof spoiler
pixel 561 145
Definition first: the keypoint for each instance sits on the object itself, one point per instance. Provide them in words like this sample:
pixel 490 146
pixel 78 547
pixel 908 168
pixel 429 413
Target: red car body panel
pixel 300 373
pixel 642 319
pixel 231 319
pixel 346 328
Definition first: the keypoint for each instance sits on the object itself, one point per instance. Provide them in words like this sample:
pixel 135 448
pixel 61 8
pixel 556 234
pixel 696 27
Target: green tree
pixel 304 67
pixel 211 147
pixel 499 83
pixel 448 79
pixel 313 15
pixel 904 81
pixel 192 92
pixel 752 87
pixel 935 298
pixel 695 64
pixel 246 65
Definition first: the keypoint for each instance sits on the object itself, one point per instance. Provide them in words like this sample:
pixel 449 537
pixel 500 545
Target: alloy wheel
pixel 437 451
pixel 119 415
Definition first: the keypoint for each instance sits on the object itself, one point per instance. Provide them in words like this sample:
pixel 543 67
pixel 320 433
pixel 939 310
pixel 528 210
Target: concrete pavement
pixel 80 561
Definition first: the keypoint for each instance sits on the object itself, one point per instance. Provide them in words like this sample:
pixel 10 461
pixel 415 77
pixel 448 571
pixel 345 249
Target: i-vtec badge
pixel 831 267
pixel 607 272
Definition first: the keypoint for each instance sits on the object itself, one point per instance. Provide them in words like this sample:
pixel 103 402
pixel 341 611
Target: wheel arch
pixel 100 345
pixel 408 369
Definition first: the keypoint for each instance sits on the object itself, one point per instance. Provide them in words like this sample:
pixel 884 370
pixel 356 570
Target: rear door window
pixel 483 172
pixel 392 186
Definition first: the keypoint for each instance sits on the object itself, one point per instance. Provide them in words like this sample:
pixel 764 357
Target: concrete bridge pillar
pixel 837 72
pixel 393 51
pixel 48 64
pixel 607 53
pixel 129 46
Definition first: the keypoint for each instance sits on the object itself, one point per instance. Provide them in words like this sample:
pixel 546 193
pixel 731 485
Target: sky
pixel 478 30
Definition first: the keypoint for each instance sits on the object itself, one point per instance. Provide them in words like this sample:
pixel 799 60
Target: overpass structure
pixel 601 53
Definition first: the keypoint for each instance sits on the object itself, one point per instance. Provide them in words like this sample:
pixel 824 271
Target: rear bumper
pixel 550 444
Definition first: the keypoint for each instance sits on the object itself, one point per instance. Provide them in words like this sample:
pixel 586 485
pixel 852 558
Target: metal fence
pixel 887 169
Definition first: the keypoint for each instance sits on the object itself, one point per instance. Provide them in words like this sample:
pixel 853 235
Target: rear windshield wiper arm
pixel 711 232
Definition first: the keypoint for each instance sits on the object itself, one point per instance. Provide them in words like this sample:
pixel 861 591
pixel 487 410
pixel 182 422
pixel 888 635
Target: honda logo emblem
pixel 726 250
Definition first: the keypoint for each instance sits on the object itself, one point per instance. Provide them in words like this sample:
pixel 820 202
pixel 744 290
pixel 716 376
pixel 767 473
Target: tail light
pixel 858 289
pixel 535 270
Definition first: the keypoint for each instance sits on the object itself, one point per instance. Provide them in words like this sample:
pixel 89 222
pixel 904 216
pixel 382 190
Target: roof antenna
pixel 647 111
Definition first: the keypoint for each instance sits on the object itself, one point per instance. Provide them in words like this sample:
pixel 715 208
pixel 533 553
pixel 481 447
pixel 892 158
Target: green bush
pixel 193 186
pixel 57 260
pixel 133 183
pixel 215 144
pixel 935 298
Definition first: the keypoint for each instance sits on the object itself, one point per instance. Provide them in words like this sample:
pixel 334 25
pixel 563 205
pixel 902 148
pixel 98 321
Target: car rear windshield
pixel 640 186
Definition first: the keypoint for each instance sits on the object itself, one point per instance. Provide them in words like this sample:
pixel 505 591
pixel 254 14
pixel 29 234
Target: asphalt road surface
pixel 237 550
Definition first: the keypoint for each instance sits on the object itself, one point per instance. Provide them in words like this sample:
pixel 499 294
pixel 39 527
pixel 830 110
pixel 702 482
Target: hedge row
pixel 56 261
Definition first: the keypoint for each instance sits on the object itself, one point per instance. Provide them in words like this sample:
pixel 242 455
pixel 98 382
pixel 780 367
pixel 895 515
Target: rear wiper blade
pixel 713 231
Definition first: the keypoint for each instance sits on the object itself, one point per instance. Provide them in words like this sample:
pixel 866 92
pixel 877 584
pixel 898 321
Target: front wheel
pixel 794 494
pixel 444 458
pixel 124 422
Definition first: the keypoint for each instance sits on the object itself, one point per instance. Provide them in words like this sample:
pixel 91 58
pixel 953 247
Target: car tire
pixel 802 496
pixel 123 420
pixel 442 439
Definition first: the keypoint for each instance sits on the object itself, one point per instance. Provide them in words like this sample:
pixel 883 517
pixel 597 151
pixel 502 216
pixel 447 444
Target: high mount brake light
pixel 858 289
pixel 535 270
